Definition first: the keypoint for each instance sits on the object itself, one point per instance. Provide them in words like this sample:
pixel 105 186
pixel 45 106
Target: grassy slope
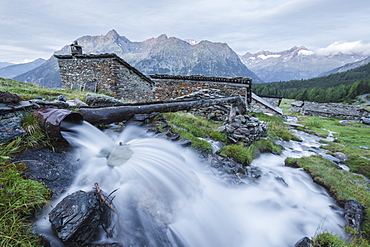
pixel 20 197
pixel 28 91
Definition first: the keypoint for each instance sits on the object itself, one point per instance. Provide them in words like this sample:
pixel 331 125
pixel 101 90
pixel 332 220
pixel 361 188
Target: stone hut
pixel 105 73
pixel 174 86
pixel 328 110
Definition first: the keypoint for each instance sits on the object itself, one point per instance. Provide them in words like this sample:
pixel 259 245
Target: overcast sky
pixel 33 29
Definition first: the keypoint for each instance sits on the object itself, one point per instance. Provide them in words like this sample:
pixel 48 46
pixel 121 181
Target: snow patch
pixel 191 41
pixel 264 57
pixel 306 52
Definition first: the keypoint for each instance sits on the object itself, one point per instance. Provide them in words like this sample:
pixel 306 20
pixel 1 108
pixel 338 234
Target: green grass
pixel 19 197
pixel 328 240
pixel 192 127
pixel 349 138
pixel 285 105
pixel 245 155
pixel 29 91
pixel 342 185
pixel 276 127
pixel 240 153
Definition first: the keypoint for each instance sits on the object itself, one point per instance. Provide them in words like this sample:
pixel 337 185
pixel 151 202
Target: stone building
pixel 174 86
pixel 111 74
pixel 105 73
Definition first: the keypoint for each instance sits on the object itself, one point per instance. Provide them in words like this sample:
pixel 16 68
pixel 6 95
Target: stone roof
pixel 237 80
pixel 108 55
pixel 267 104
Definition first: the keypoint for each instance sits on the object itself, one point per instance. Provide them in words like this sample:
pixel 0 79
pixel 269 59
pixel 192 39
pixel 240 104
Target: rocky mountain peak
pixel 161 55
pixel 162 37
pixel 112 34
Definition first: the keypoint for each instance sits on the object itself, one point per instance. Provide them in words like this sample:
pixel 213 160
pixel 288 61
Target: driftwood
pixel 109 115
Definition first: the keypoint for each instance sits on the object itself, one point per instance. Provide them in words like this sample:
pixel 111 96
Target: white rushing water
pixel 167 197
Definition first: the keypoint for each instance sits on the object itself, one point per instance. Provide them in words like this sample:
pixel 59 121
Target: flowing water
pixel 168 197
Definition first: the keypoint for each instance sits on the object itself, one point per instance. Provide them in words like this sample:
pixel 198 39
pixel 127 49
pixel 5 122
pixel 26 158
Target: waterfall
pixel 167 196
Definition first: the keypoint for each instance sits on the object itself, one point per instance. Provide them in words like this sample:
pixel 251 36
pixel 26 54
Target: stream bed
pixel 168 196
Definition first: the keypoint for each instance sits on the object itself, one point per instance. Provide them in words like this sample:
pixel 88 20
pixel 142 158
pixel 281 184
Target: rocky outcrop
pixel 328 110
pixel 245 129
pixel 354 215
pixel 12 114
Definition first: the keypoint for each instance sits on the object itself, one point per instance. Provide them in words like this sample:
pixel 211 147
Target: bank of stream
pixel 171 196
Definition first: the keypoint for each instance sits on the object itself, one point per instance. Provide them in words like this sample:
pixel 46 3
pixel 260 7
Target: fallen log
pixel 108 115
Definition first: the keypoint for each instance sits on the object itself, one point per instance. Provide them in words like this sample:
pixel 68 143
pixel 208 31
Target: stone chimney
pixel 75 48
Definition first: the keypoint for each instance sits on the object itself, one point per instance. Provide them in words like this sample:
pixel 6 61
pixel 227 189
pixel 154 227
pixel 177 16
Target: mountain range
pixel 12 70
pixel 170 55
pixel 155 55
pixel 296 63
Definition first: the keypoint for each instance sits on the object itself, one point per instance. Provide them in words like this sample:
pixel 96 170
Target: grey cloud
pixel 35 29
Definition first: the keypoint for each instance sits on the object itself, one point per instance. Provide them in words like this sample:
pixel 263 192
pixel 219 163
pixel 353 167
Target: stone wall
pixel 166 89
pixel 105 73
pixel 171 87
pixel 328 110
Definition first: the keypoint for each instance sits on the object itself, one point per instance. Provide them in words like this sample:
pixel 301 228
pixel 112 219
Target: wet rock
pixel 62 98
pixel 184 142
pixel 331 158
pixel 75 219
pixel 55 169
pixel 11 127
pixel 174 136
pixel 340 156
pixel 304 242
pixel 354 214
pixel 119 155
pixel 281 180
pixel 254 172
pixel 141 117
pixel 343 167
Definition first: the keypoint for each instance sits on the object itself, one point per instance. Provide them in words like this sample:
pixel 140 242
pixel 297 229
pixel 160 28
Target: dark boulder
pixel 304 242
pixel 9 98
pixel 354 214
pixel 75 219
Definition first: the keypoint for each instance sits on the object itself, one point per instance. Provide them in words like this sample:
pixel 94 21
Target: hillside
pixel 331 88
pixel 46 75
pixel 18 69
